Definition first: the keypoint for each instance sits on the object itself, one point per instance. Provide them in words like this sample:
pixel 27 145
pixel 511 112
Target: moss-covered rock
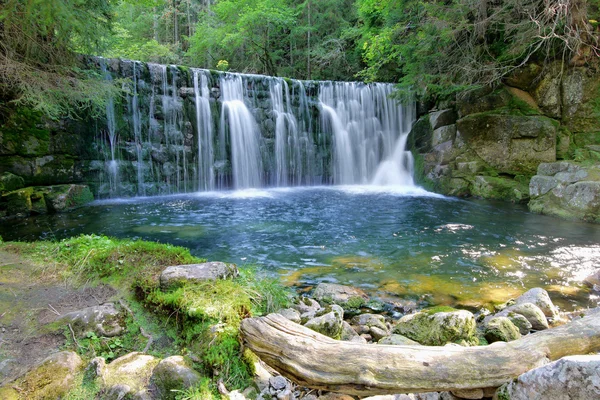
pixel 127 375
pixel 173 374
pixel 345 296
pixel 10 182
pixel 328 321
pixel 510 144
pixel 500 188
pixel 53 378
pixel 65 197
pixel 439 328
pixel 501 329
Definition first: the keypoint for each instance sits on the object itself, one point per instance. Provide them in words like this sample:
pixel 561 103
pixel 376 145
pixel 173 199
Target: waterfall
pixel 367 127
pixel 206 172
pixel 238 125
pixel 200 130
pixel 111 124
pixel 137 132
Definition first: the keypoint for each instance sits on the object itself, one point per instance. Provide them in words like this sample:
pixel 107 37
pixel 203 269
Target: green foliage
pixel 205 390
pixel 223 65
pixel 39 64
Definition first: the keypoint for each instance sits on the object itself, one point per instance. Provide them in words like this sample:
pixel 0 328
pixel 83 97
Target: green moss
pixel 23 133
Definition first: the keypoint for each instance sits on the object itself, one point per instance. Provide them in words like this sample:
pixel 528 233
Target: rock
pixel 397 340
pixel 420 135
pixel 62 198
pixel 574 377
pixel 547 93
pixel 280 388
pixel 468 393
pixel 521 323
pixel 443 134
pixel 10 182
pixel 53 378
pixel 378 333
pixel 499 188
pixel 173 373
pixel 438 119
pixel 328 321
pixel 179 275
pixel 500 329
pixel 567 190
pixel 345 296
pixel 103 320
pixel 306 304
pixel 511 144
pixel 348 333
pixel 335 396
pixel 524 77
pixel 593 279
pixel 127 375
pixel 540 298
pixel 530 311
pixel 480 100
pixel 370 320
pixel 291 314
pixel 437 329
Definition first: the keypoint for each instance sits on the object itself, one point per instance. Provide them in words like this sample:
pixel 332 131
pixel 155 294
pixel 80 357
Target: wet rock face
pixel 574 377
pixel 179 275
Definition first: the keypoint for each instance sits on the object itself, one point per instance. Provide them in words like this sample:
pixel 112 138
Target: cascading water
pixel 239 128
pixel 204 129
pixel 250 131
pixel 367 128
pixel 111 124
pixel 137 131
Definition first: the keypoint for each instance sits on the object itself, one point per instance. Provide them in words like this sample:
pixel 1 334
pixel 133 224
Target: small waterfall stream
pixel 199 130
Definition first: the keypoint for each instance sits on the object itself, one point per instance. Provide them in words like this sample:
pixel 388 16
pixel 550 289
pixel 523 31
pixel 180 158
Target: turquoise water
pixel 393 243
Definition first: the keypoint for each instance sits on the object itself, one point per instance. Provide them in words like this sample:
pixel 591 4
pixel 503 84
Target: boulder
pixel 499 188
pixel 520 322
pixel 128 375
pixel 443 134
pixel 593 280
pixel 534 315
pixel 103 320
pixel 567 190
pixel 53 378
pixel 345 296
pixel 306 304
pixel 540 298
pixel 438 119
pixel 397 340
pixel 328 321
pixel 10 182
pixel 511 144
pixel 438 328
pixel 173 373
pixel 501 329
pixel 574 377
pixel 370 320
pixel 180 275
pixel 349 334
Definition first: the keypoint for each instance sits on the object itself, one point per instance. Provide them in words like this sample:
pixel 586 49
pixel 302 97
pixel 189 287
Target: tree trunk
pixel 316 361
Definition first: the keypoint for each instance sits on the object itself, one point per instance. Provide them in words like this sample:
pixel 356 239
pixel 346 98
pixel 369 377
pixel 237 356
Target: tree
pixel 439 47
pixel 40 43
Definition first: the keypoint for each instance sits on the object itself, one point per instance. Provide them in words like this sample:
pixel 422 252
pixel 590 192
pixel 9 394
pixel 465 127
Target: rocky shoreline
pixel 340 312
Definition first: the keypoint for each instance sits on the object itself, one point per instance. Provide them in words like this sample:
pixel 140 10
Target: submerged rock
pixel 575 377
pixel 345 296
pixel 104 320
pixel 179 275
pixel 437 329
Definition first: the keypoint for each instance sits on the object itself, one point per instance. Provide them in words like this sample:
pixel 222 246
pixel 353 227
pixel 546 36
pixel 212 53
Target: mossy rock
pixel 173 374
pixel 64 197
pixel 501 329
pixel 18 202
pixel 328 321
pixel 10 182
pixel 439 328
pixel 500 188
pixel 53 378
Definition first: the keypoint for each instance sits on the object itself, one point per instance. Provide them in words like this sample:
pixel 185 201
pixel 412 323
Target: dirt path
pixel 27 304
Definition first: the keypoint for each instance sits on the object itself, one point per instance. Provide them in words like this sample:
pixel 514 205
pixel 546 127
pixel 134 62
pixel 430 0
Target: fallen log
pixel 317 361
